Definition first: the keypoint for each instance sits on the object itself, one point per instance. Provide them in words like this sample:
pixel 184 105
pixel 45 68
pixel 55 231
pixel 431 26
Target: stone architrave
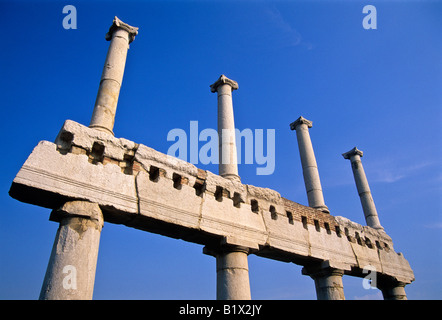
pixel 199 207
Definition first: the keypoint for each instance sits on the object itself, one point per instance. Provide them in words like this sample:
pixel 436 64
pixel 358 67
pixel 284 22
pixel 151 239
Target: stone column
pixel 391 288
pixel 328 283
pixel 232 272
pixel 232 275
pixel 71 270
pixel 120 35
pixel 228 166
pixel 309 166
pixel 368 206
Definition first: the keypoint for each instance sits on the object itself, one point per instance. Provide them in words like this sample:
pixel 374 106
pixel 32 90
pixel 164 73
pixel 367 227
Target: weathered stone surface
pixel 223 218
pixel 118 24
pixel 232 273
pixel 82 209
pixel 71 269
pixel 309 166
pixel 155 201
pixel 69 176
pixel 172 197
pixel 368 206
pixel 328 283
pixel 74 134
pixel 228 167
pixel 222 80
pixel 148 157
pixel 103 117
pixel 263 193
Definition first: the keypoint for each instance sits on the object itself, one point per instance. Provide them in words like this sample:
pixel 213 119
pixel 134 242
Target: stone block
pixel 61 177
pixel 160 200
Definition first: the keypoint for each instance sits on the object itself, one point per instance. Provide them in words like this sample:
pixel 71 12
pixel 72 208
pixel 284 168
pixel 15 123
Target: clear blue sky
pixel 379 90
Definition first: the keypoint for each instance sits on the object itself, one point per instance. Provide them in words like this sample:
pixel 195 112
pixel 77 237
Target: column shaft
pixel 368 206
pixel 392 289
pixel 329 287
pixel 232 276
pixel 232 271
pixel 328 283
pixel 228 163
pixel 103 116
pixel 309 166
pixel 394 293
pixel 70 274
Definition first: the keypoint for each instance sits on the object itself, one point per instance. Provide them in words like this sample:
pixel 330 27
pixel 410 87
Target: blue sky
pixel 378 90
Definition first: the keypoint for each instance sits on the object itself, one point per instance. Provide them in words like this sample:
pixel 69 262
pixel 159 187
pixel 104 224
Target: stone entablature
pixel 145 189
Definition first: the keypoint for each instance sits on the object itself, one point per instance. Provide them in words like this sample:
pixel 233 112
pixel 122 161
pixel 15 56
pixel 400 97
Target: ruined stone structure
pixel 88 176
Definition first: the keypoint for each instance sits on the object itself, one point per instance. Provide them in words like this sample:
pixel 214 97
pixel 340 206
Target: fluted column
pixel 309 165
pixel 120 35
pixel 368 206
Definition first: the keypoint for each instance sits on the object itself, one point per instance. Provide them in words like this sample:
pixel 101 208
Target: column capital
pixel 81 209
pixel 118 24
pixel 216 251
pixel 391 288
pixel 300 120
pixel 318 271
pixel 352 152
pixel 230 244
pixel 223 80
pixel 328 282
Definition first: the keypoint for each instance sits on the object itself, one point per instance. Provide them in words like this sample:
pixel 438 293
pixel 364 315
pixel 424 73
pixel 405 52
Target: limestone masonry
pixel 88 176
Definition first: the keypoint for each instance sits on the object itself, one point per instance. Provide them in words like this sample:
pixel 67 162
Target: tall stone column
pixel 368 206
pixel 228 164
pixel 70 274
pixel 328 283
pixel 120 35
pixel 232 272
pixel 309 165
